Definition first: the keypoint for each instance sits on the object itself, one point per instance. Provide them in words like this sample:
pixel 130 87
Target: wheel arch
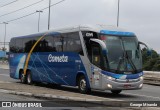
pixel 21 71
pixel 81 73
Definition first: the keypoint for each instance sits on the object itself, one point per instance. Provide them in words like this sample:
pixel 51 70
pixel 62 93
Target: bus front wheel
pixel 115 92
pixel 82 85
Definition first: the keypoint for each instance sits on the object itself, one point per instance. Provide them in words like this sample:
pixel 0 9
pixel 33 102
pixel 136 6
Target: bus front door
pixel 96 62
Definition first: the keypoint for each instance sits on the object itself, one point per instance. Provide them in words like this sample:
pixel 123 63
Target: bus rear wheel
pixel 29 77
pixel 22 77
pixel 116 92
pixel 82 85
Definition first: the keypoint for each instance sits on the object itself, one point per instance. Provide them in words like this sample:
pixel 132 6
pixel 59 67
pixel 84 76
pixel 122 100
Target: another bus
pixel 91 57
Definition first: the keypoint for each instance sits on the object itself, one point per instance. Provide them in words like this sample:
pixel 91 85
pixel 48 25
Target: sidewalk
pixel 4 66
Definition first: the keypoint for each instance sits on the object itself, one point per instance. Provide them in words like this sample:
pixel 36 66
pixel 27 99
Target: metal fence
pixel 4 46
pixel 152 77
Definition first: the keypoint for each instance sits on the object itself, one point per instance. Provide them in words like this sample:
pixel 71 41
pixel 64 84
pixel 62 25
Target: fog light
pixel 111 78
pixel 109 85
pixel 141 78
pixel 140 86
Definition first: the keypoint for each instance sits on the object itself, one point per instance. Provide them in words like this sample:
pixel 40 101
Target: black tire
pixel 116 92
pixel 82 85
pixel 29 78
pixel 22 77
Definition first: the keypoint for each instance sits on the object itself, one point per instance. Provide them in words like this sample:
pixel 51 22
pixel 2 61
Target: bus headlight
pixel 111 78
pixel 109 86
pixel 141 78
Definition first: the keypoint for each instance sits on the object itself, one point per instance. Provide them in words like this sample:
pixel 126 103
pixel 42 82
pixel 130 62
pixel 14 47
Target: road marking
pixel 142 95
pixel 5 75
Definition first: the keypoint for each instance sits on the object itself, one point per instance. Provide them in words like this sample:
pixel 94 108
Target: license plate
pixel 127 86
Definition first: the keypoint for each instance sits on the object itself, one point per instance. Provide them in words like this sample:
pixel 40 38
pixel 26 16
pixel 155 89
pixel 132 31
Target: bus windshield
pixel 124 55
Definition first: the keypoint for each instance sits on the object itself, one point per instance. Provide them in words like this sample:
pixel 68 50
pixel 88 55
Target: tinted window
pixel 28 44
pixel 72 43
pixel 16 46
pixel 19 45
pixel 12 46
pixel 45 45
pixel 57 43
pixel 69 42
pixel 49 44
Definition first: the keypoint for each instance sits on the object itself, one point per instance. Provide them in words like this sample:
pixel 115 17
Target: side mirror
pixel 104 52
pixel 102 44
pixel 149 50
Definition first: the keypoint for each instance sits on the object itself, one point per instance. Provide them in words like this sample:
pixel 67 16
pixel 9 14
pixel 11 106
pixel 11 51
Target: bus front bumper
pixel 122 85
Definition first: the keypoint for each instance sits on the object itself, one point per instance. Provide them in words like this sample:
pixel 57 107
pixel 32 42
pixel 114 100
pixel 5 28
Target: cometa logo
pixel 57 58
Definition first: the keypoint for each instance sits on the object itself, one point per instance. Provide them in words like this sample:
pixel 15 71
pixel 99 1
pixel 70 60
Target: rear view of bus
pixel 116 59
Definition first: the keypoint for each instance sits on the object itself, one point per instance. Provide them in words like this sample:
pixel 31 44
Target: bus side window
pixel 12 46
pixel 57 43
pixel 50 46
pixel 43 45
pixel 72 43
pixel 19 45
pixel 28 44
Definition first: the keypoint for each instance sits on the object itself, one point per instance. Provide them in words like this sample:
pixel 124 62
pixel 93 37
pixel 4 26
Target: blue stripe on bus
pixel 117 33
pixel 119 76
pixel 58 72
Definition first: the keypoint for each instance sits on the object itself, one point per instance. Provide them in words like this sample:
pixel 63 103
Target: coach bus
pixel 91 57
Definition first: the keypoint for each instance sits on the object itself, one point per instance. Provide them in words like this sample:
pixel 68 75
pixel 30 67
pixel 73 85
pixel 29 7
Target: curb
pixel 5 68
pixel 46 96
pixel 152 83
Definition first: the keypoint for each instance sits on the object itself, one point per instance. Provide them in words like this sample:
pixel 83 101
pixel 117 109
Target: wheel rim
pixel 83 84
pixel 21 78
pixel 29 78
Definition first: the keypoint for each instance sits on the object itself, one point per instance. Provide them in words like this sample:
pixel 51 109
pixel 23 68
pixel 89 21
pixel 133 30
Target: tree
pixel 150 62
pixel 4 49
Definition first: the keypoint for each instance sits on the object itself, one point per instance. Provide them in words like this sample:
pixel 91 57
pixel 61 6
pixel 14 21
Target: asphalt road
pixel 147 93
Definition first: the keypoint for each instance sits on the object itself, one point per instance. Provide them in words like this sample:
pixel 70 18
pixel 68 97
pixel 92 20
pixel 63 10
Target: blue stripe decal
pixel 50 67
pixel 117 33
pixel 119 76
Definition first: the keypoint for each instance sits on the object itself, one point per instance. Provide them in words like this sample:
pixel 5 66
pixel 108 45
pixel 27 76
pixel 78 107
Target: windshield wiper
pixel 119 64
pixel 130 61
pixel 126 57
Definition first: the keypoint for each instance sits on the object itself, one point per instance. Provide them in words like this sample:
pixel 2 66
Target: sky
pixel 139 16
